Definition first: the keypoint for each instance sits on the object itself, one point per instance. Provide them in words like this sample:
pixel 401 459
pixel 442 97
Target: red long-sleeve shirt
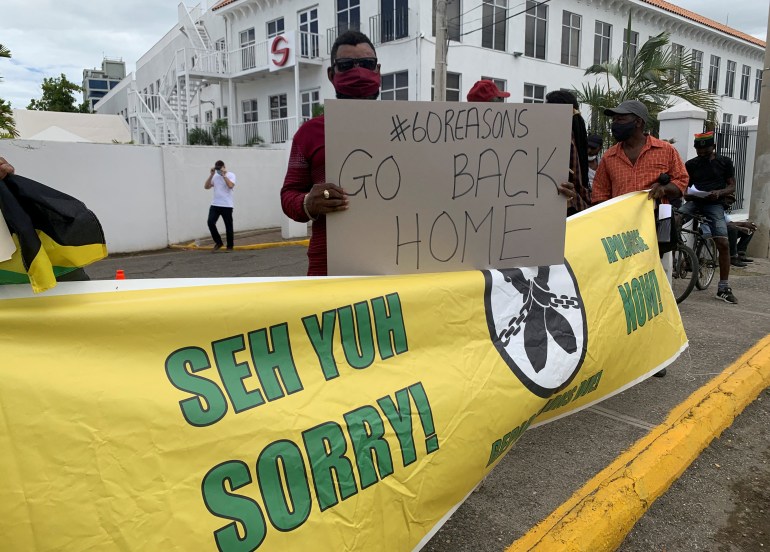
pixel 307 166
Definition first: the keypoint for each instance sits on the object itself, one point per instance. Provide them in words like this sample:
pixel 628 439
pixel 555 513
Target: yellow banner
pixel 330 414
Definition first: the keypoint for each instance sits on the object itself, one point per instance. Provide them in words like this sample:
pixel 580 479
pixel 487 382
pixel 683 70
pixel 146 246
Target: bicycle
pixel 704 249
pixel 684 271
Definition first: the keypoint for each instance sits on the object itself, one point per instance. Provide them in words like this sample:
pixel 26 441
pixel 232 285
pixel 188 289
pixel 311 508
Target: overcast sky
pixel 50 37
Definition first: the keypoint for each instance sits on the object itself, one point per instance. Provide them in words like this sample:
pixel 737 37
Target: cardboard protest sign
pixel 438 187
pixel 328 414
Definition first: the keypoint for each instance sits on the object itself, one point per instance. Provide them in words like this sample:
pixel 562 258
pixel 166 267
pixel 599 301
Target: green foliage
pixel 199 137
pixel 58 95
pixel 219 133
pixel 318 110
pixel 656 76
pixel 7 124
pixel 255 141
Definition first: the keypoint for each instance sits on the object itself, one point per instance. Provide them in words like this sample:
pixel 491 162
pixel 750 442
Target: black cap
pixel 633 107
pixel 595 141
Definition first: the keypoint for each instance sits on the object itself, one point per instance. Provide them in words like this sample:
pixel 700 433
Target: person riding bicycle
pixel 712 182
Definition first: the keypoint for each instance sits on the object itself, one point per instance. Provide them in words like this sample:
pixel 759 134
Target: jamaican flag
pixel 54 233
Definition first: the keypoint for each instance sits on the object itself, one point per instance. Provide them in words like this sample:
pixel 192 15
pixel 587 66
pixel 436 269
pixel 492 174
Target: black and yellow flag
pixel 54 233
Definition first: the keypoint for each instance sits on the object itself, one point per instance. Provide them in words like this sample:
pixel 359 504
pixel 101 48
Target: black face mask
pixel 623 131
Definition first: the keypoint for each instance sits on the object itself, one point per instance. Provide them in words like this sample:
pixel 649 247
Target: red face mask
pixel 357 82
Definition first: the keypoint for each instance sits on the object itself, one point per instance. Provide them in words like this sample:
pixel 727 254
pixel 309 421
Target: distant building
pixel 260 66
pixel 97 82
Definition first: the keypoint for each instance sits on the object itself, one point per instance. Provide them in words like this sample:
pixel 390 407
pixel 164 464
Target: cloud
pixel 48 38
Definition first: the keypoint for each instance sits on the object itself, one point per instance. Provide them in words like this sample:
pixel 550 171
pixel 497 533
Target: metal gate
pixel 732 141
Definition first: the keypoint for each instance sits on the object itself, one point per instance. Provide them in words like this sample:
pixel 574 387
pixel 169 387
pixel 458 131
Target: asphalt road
pixel 721 503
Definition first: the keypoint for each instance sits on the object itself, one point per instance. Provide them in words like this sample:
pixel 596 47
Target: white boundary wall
pixel 148 197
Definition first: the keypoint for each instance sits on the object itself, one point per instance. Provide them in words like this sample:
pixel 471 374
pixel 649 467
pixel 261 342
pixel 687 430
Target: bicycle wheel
pixel 684 272
pixel 707 262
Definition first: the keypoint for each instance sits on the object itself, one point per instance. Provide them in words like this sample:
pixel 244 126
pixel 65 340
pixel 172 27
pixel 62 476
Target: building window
pixel 348 16
pixel 452 86
pixel 730 79
pixel 310 100
pixel 394 19
pixel 602 42
pixel 727 118
pixel 275 27
pixel 250 114
pixel 677 54
pixel 697 69
pixel 501 84
pixel 395 86
pixel 536 29
pixel 758 85
pixel 494 24
pixel 534 93
pixel 714 74
pixel 222 113
pixel 308 33
pixel 279 125
pixel 571 24
pixel 248 54
pixel 745 82
pixel 741 119
pixel 453 18
pixel 630 48
pixel 208 116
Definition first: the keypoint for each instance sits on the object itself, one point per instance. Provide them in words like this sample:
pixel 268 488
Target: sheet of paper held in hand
pixel 446 186
pixel 7 247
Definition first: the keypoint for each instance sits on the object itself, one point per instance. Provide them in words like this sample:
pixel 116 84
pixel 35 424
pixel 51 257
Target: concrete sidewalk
pixel 719 503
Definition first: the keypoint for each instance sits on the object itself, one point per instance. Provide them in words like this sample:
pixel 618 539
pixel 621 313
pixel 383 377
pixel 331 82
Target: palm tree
pixel 656 76
pixel 7 124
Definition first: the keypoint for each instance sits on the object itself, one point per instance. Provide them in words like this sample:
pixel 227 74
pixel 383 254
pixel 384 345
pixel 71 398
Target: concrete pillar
pixel 681 122
pixel 760 206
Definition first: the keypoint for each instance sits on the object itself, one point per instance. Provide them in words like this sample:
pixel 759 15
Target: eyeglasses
pixel 346 64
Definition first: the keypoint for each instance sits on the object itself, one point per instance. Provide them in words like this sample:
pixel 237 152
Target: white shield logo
pixel 537 322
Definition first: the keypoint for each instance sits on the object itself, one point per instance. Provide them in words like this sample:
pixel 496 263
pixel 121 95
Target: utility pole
pixel 759 210
pixel 439 78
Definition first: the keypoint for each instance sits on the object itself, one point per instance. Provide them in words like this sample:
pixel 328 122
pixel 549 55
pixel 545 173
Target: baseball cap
pixel 485 91
pixel 595 141
pixel 633 107
pixel 704 139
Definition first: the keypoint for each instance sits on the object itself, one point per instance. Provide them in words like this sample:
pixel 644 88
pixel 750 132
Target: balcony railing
pixel 333 32
pixel 252 58
pixel 386 27
pixel 274 131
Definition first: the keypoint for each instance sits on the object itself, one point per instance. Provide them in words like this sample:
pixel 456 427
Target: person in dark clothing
pixel 712 180
pixel 578 158
pixel 739 234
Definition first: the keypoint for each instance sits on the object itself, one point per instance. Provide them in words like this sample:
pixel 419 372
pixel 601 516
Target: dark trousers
pixel 739 241
pixel 227 215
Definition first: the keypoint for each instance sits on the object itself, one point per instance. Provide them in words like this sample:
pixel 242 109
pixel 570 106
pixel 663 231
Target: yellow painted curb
pixel 599 516
pixel 245 247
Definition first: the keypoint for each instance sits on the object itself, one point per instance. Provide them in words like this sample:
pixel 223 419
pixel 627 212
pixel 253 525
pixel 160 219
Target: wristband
pixel 304 208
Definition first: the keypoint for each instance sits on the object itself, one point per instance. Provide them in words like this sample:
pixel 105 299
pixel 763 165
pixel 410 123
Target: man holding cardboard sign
pixel 306 196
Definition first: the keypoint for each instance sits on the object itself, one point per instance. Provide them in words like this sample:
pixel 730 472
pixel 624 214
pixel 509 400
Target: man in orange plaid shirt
pixel 638 162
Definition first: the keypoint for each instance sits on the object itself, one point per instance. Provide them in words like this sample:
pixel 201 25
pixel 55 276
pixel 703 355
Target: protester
pixel 306 196
pixel 5 168
pixel 223 182
pixel 486 91
pixel 578 156
pixel 638 161
pixel 595 144
pixel 739 234
pixel 712 179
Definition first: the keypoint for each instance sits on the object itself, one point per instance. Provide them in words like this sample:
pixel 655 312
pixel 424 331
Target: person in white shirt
pixel 223 182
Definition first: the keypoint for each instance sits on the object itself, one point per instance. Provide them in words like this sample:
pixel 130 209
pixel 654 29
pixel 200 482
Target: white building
pixel 261 64
pixel 97 82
